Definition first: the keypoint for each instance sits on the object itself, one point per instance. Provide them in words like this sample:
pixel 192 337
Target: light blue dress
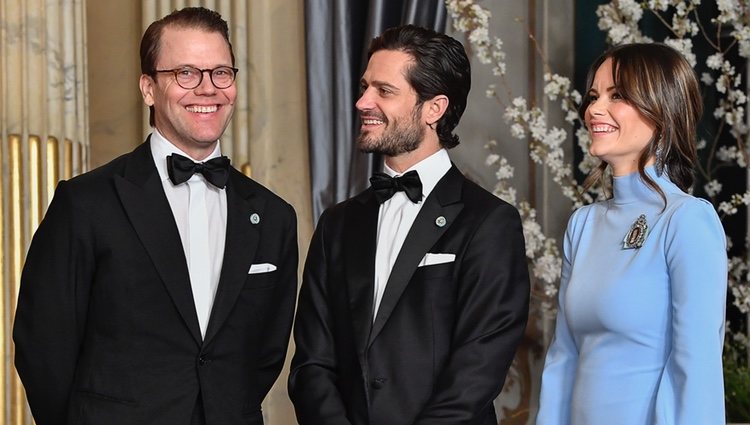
pixel 639 331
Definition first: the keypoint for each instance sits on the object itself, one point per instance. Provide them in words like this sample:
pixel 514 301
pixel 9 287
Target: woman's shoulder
pixel 583 216
pixel 582 213
pixel 694 218
pixel 684 206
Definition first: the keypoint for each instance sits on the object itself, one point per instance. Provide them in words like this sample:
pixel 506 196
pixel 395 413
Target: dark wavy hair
pixel 440 67
pixel 188 17
pixel 660 83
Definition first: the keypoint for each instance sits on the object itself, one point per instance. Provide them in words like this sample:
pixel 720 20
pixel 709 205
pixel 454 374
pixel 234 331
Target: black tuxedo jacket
pixel 106 330
pixel 444 335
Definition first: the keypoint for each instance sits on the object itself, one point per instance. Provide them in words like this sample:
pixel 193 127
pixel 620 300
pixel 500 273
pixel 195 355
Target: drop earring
pixel 661 156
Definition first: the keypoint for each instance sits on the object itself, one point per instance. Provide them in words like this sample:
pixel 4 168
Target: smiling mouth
pixel 371 121
pixel 603 128
pixel 202 109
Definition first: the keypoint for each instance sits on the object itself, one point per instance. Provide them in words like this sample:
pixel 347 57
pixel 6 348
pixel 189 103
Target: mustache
pixel 373 114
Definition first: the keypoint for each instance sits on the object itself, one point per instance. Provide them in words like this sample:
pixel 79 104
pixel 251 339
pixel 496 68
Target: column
pixel 43 138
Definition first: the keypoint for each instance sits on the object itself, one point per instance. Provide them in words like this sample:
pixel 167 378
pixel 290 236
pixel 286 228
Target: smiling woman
pixel 619 133
pixel 643 285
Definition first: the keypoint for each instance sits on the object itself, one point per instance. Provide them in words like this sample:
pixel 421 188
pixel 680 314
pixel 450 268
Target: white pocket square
pixel 261 268
pixel 432 259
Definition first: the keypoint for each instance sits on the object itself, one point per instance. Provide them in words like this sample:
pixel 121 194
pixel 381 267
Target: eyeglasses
pixel 190 77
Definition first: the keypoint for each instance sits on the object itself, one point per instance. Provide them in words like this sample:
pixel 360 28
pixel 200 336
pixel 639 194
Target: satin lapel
pixel 360 238
pixel 444 201
pixel 240 246
pixel 146 205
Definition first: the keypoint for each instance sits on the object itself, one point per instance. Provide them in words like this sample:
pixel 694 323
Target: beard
pixel 398 137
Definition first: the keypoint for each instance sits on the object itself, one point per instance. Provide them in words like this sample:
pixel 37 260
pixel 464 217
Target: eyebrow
pixel 608 89
pixel 379 84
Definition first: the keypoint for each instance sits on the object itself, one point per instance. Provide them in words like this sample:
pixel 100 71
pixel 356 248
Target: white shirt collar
pixel 430 170
pixel 161 148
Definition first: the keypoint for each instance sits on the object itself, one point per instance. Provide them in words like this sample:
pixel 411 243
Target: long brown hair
pixel 661 85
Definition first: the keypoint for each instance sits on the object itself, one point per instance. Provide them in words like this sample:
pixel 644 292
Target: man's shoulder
pixel 475 194
pixel 100 175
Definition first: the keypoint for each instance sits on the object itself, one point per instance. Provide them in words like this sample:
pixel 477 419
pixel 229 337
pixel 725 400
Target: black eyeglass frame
pixel 210 71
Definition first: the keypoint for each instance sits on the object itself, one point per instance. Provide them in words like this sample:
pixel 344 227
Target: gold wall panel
pixel 33 170
pixel 53 165
pixel 17 244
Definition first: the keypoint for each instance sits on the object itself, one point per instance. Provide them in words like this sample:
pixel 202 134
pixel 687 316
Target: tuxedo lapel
pixel 240 246
pixel 142 196
pixel 360 239
pixel 444 201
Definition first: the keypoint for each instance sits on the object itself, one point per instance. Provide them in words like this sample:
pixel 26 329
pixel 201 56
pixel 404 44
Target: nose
pixel 206 86
pixel 365 101
pixel 596 107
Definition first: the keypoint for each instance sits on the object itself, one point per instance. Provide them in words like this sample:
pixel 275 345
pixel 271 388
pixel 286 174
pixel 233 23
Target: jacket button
pixel 378 383
pixel 203 360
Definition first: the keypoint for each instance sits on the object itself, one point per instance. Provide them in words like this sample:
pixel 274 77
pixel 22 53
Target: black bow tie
pixel 385 186
pixel 215 171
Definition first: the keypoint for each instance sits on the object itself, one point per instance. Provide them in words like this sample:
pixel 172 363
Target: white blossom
pixel 490 92
pixel 547 268
pixel 685 47
pixel 504 170
pixel 727 208
pixel 491 159
pixel 715 61
pixel 712 188
pixel 517 131
pixel 728 11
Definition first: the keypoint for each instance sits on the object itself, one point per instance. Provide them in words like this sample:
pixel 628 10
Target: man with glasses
pixel 160 288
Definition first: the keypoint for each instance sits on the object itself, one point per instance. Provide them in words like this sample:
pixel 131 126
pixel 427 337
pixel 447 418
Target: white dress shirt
pixel 397 215
pixel 216 206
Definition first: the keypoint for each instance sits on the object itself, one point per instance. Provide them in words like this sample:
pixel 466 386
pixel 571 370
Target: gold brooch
pixel 637 234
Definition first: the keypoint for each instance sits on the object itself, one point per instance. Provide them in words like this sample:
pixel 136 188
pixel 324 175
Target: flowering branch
pixel 620 20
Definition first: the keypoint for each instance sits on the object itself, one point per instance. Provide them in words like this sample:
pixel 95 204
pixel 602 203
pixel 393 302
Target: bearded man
pixel 415 292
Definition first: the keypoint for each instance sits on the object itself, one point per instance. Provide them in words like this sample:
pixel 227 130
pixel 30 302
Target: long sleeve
pixel 691 390
pixel 51 313
pixel 313 374
pixel 276 339
pixel 493 299
pixel 562 356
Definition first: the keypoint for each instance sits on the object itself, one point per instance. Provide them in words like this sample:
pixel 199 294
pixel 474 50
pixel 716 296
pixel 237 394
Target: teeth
pixel 372 122
pixel 202 109
pixel 603 128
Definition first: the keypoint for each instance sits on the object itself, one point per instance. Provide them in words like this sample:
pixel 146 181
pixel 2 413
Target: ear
pixel 146 84
pixel 434 109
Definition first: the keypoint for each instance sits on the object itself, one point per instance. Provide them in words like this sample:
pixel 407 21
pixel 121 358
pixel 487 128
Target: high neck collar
pixel 632 188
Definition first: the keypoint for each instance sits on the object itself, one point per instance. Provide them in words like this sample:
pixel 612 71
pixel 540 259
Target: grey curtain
pixel 338 34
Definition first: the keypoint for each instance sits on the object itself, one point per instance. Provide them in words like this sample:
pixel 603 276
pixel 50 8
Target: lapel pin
pixel 440 221
pixel 254 218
